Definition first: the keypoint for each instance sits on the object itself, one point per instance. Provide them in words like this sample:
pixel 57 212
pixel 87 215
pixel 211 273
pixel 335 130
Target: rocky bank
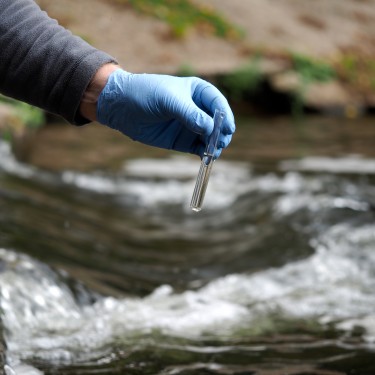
pixel 320 29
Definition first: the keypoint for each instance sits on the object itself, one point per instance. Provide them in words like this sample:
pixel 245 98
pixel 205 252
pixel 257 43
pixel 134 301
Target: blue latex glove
pixel 164 111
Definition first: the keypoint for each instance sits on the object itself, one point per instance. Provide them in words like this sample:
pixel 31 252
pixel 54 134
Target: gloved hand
pixel 164 111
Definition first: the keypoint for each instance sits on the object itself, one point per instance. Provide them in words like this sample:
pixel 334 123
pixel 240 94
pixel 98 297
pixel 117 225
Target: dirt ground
pixel 320 28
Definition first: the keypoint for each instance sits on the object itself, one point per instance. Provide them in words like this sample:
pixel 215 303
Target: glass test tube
pixel 206 163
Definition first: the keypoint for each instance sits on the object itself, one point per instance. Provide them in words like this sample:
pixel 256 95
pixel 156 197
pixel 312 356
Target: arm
pixel 42 63
pixel 45 65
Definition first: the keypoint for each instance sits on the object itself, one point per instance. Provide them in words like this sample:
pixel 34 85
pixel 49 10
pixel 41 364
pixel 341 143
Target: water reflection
pixel 276 273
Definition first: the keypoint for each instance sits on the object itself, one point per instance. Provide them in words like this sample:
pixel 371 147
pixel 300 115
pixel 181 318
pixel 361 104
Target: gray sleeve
pixel 42 63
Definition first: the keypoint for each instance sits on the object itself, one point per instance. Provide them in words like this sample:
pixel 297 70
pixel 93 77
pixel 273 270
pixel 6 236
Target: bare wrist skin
pixel 90 97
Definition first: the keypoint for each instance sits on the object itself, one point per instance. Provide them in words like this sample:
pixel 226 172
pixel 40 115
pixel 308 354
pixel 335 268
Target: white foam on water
pixel 353 164
pixel 148 182
pixel 20 368
pixel 49 324
pixel 96 182
pixel 178 167
pixel 334 285
pixel 9 164
pixel 154 182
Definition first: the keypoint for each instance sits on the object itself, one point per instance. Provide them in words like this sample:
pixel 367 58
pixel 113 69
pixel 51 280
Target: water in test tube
pixel 207 162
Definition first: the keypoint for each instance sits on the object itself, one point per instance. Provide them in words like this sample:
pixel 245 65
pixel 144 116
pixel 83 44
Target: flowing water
pixel 109 271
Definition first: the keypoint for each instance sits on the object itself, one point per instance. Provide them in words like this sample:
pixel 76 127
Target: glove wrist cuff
pixel 90 96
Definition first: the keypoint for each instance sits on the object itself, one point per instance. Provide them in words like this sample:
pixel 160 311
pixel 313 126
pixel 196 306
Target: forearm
pixel 42 63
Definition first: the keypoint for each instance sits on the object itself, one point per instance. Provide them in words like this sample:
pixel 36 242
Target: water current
pixel 110 272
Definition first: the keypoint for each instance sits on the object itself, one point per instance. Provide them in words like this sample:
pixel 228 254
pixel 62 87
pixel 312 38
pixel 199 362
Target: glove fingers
pixel 201 123
pixel 183 139
pixel 224 140
pixel 197 110
pixel 218 153
pixel 196 147
pixel 209 98
pixel 197 121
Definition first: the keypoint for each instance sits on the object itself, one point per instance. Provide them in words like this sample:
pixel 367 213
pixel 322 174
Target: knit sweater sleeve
pixel 42 63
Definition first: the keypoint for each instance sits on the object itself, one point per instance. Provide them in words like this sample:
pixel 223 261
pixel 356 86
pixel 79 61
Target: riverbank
pixel 336 33
pixel 289 57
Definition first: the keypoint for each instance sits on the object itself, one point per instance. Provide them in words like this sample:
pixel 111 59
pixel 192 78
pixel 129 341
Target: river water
pixel 104 269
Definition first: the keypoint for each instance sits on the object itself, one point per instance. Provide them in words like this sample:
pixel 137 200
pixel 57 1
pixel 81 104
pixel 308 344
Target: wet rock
pixel 286 82
pixel 331 96
pixel 271 67
pixel 325 95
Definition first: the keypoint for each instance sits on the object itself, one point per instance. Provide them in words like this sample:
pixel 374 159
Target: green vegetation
pixel 311 70
pixel 244 79
pixel 19 117
pixel 186 70
pixel 182 15
pixel 357 71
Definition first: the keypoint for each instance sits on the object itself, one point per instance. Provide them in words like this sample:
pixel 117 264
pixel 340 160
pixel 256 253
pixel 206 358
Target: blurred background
pixel 104 269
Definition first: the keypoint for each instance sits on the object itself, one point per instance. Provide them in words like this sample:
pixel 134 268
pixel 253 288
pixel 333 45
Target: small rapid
pixel 286 253
pixel 333 286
